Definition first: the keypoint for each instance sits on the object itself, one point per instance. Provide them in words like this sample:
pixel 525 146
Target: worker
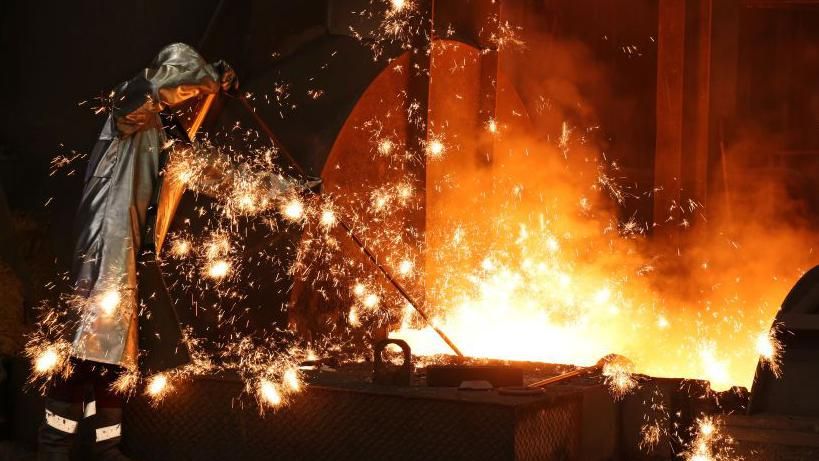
pixel 113 226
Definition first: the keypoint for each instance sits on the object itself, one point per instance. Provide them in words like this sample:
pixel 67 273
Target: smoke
pixel 529 253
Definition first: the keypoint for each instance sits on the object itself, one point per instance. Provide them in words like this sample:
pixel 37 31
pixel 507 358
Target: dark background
pixel 763 69
pixel 58 54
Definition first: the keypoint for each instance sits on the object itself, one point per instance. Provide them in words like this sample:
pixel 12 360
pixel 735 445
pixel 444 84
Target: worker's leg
pixel 63 413
pixel 108 418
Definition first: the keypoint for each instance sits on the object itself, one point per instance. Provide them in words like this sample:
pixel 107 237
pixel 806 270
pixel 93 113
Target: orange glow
pixel 527 255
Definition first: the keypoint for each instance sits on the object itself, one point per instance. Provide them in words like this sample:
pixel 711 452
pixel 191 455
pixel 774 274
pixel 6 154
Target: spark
pixel 404 191
pixel 492 126
pixel 435 149
pixel 620 378
pixel 293 210
pixel 657 421
pixel 353 318
pixel 709 444
pixel 487 264
pixel 217 246
pixel 218 269
pixel 707 428
pixel 371 301
pixel 328 218
pixel 127 381
pixel 651 436
pixel 769 349
pixel 185 176
pixel 385 147
pixel 506 36
pixel 585 204
pixel 109 302
pixel 565 137
pixel 47 361
pixel 181 248
pixel 407 315
pixel 246 203
pixel 405 267
pixel 158 387
pixel 292 380
pixel 458 235
pixel 269 393
pixel 764 345
pixel 397 6
pixel 552 244
pixel 380 200
pixel 359 289
pixel 602 296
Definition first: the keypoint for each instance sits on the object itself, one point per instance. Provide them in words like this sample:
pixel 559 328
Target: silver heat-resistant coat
pixel 120 182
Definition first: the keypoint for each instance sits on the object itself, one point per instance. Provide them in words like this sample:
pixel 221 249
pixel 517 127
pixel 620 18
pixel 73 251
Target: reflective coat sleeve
pixel 176 75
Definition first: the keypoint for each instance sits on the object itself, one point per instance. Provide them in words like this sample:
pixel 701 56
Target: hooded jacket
pixel 120 183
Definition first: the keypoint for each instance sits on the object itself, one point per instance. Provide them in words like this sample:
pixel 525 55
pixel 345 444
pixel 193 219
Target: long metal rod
pixel 399 287
pixel 349 231
pixel 564 376
pixel 200 116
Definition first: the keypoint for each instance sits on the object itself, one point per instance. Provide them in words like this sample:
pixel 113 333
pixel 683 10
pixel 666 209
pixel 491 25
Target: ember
pixel 269 393
pixel 109 302
pixel 158 387
pixel 46 361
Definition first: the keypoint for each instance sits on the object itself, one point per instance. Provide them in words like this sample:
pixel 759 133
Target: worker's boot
pixel 59 430
pixel 108 432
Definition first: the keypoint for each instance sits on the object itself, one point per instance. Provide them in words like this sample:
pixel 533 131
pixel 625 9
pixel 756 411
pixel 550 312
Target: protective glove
pixel 313 184
pixel 228 79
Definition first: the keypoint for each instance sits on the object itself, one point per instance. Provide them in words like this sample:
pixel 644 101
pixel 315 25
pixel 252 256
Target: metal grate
pixel 202 421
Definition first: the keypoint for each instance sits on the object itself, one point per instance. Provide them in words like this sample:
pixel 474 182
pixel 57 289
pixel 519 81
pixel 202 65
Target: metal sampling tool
pixel 349 231
pixel 596 368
